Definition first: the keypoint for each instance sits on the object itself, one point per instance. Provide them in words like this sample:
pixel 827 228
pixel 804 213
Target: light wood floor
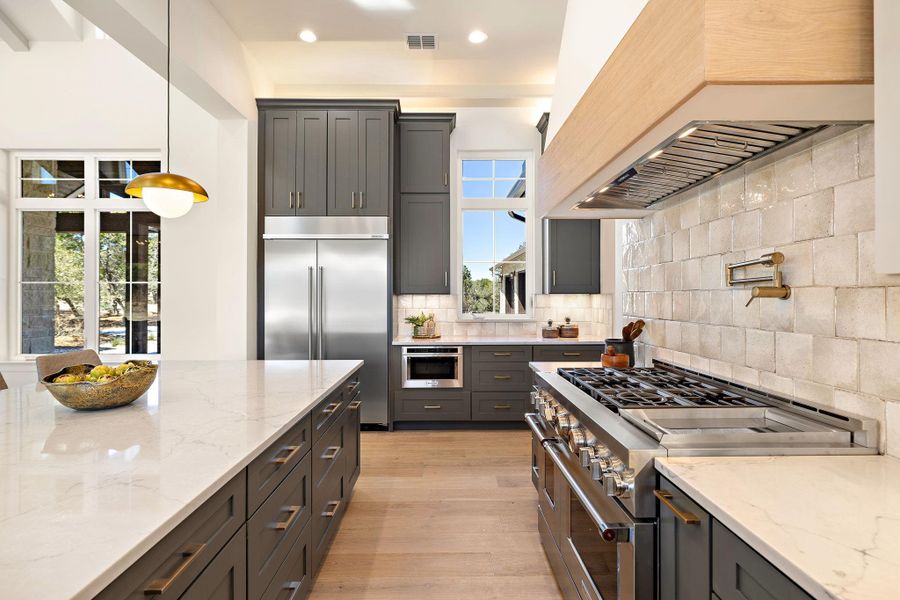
pixel 440 515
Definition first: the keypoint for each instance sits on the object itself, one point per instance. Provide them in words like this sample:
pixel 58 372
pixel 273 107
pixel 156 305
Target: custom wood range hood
pixel 719 73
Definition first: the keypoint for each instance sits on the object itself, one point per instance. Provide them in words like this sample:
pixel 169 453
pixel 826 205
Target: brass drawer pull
pixel 282 525
pixel 354 405
pixel 432 407
pixel 330 513
pixel 685 517
pixel 331 452
pixel 291 452
pixel 571 353
pixel 161 586
pixel 502 353
pixel 331 408
pixel 503 377
pixel 503 406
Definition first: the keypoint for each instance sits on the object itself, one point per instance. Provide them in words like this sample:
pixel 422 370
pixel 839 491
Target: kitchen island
pixel 87 494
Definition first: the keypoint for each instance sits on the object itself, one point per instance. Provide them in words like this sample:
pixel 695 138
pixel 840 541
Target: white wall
pixel 887 135
pixel 592 30
pixel 4 250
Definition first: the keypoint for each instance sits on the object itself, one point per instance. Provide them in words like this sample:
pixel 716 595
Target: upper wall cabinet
pixel 425 153
pixel 326 157
pixel 571 256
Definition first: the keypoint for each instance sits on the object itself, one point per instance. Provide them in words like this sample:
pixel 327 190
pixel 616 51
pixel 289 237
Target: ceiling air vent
pixel 421 41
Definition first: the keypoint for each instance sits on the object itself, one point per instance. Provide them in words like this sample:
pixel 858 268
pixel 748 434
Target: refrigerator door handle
pixel 319 306
pixel 310 313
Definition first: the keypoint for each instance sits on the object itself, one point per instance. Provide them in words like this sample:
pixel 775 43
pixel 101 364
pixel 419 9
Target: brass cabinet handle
pixel 446 279
pixel 291 452
pixel 299 199
pixel 282 525
pixel 445 179
pixel 554 277
pixel 331 452
pixel 188 555
pixel 688 518
pixel 362 199
pixel 290 199
pixel 432 407
pixel 330 513
pixel 354 405
pixel 571 353
pixel 502 353
pixel 502 406
pixel 503 377
pixel 331 408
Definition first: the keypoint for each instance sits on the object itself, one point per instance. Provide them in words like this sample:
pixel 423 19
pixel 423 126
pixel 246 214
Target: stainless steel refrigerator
pixel 327 296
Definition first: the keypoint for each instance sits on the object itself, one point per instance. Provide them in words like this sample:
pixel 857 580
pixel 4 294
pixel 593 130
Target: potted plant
pixel 423 325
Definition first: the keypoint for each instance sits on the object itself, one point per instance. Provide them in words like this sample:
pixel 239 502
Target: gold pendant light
pixel 167 194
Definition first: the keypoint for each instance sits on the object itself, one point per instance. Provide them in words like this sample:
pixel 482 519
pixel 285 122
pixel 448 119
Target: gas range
pixel 613 423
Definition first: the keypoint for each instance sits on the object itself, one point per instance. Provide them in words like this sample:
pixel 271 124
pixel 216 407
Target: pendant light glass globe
pixel 168 203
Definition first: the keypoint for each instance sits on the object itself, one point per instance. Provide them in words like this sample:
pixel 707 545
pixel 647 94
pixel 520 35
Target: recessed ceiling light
pixel 385 5
pixel 307 35
pixel 477 36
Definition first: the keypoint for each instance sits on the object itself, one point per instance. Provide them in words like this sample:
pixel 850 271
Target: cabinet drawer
pixel 501 377
pixel 739 573
pixel 293 579
pixel 329 504
pixel 272 466
pixel 272 531
pixel 566 353
pixel 499 406
pixel 328 452
pixel 501 353
pixel 177 560
pixel 683 542
pixel 226 576
pixel 433 405
pixel 327 412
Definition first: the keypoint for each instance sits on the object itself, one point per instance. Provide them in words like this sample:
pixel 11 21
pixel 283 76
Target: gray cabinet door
pixel 684 564
pixel 343 162
pixel 312 163
pixel 573 248
pixel 226 576
pixel 424 157
pixel 281 161
pixel 375 150
pixel 424 244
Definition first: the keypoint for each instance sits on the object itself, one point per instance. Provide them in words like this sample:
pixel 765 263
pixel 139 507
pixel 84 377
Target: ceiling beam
pixel 12 35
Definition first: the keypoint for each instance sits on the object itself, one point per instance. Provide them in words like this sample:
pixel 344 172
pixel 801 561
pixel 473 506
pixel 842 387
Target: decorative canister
pixel 622 347
pixel 550 331
pixel 569 329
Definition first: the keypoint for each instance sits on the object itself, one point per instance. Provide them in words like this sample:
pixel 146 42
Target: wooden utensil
pixel 636 330
pixel 626 331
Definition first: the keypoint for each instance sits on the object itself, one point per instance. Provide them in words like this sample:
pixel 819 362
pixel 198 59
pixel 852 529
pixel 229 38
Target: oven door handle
pixel 536 428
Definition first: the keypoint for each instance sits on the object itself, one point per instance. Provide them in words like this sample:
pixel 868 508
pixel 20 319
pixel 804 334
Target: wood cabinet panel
pixel 499 406
pixel 501 377
pixel 432 405
pixel 569 353
pixel 375 150
pixel 343 162
pixel 424 244
pixel 280 161
pixel 311 197
pixel 684 547
pixel 501 353
pixel 425 157
pixel 271 467
pixel 573 256
pixel 293 581
pixel 226 576
pixel 327 413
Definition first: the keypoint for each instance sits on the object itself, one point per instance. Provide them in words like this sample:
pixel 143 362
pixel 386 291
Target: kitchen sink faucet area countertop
pixel 87 493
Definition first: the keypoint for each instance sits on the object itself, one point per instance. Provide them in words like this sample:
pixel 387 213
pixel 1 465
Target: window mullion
pixel 91 271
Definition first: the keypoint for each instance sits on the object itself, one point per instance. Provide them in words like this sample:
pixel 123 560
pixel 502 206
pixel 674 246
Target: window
pixel 88 259
pixel 496 233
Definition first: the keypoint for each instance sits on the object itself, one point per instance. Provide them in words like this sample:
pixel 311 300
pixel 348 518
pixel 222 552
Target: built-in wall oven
pixel 432 367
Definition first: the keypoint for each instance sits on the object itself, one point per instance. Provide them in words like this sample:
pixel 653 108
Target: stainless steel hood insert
pixel 700 151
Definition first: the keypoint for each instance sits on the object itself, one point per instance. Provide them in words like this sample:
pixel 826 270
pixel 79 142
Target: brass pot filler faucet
pixel 776 290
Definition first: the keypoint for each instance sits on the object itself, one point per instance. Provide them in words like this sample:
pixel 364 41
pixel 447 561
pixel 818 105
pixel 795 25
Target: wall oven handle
pixel 688 518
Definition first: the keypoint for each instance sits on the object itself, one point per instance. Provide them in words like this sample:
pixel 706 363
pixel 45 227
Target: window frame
pixel 497 204
pixel 91 205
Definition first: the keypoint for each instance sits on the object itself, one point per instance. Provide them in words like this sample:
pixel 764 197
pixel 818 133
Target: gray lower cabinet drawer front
pixel 272 531
pixel 740 573
pixel 432 405
pixel 329 504
pixel 501 353
pixel 179 558
pixel 568 353
pixel 501 377
pixel 293 579
pixel 226 576
pixel 499 406
pixel 328 412
pixel 328 452
pixel 560 572
pixel 684 554
pixel 272 466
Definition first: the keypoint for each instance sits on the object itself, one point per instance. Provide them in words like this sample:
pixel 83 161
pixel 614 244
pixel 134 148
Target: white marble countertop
pixel 84 494
pixel 830 523
pixel 454 340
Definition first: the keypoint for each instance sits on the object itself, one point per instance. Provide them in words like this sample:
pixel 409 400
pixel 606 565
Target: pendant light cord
pixel 168 85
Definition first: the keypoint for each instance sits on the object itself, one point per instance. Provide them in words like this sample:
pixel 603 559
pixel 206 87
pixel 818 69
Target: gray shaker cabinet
pixel 281 160
pixel 311 162
pixel 375 150
pixel 684 543
pixel 424 241
pixel 425 155
pixel 571 256
pixel 343 162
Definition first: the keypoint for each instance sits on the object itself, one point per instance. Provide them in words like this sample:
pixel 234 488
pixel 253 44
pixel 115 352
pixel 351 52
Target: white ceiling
pixel 361 49
pixel 41 20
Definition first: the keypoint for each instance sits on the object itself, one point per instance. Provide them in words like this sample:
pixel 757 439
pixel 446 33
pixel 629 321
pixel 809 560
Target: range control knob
pixel 591 452
pixel 548 409
pixel 620 485
pixel 580 438
pixel 565 421
pixel 606 464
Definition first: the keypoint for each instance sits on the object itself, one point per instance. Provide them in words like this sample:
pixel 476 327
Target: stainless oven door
pixel 609 554
pixel 432 367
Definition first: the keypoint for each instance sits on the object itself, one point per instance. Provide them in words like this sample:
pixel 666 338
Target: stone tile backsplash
pixel 835 340
pixel 592 312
